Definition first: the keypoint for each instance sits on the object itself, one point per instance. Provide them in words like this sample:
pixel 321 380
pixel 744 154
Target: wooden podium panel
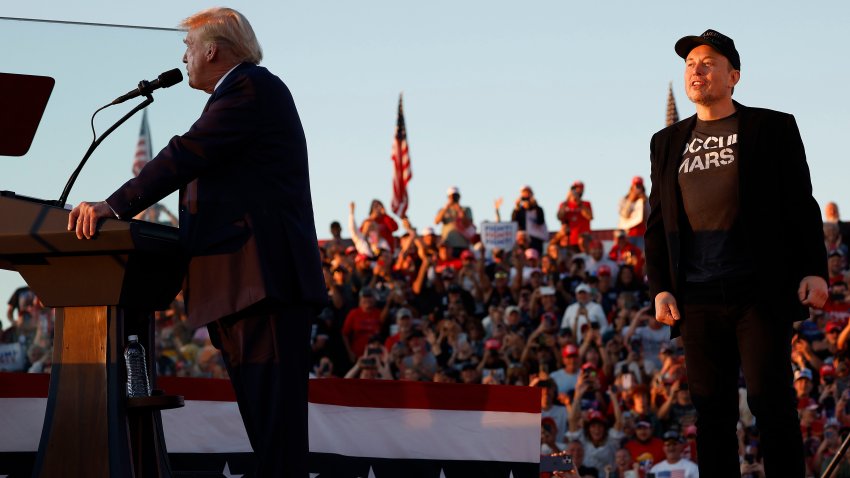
pixel 78 399
pixel 133 264
pixel 104 289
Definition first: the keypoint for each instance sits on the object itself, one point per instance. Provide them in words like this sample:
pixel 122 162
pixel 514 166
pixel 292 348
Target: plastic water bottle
pixel 138 384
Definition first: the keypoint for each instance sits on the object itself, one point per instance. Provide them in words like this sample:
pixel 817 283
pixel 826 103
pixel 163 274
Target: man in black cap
pixel 714 177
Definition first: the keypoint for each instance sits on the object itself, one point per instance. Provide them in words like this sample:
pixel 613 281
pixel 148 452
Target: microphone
pixel 169 78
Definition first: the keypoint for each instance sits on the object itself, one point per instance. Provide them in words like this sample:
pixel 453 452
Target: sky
pixel 496 94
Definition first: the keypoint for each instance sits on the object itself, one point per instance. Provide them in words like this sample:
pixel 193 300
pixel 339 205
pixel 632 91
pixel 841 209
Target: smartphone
pixel 594 325
pixel 374 351
pixel 556 463
pixel 368 362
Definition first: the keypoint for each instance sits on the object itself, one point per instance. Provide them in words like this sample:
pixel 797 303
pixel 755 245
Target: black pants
pixel 724 329
pixel 266 352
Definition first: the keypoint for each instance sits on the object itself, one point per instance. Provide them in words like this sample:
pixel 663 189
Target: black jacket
pixel 246 214
pixel 781 219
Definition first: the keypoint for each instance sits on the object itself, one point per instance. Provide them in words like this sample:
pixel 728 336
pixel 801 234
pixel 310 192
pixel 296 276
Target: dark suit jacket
pixel 780 217
pixel 246 214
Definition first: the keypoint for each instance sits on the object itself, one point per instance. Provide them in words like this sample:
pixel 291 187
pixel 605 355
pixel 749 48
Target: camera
pixel 455 197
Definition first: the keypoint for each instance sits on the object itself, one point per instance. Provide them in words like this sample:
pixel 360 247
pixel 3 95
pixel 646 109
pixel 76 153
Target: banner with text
pixel 498 234
pixel 12 357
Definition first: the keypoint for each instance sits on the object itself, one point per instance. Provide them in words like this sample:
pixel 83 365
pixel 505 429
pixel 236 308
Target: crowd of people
pixel 566 312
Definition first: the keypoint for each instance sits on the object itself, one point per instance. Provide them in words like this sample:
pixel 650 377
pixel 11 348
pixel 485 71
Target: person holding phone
pixel 581 315
pixel 575 213
pixel 458 227
pixel 529 217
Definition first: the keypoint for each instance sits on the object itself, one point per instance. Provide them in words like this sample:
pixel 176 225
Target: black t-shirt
pixel 708 178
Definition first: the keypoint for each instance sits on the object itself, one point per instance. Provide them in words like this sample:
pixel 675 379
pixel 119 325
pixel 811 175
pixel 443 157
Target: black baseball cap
pixel 714 39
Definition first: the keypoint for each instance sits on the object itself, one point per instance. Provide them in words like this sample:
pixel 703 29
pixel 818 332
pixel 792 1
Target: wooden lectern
pixel 105 289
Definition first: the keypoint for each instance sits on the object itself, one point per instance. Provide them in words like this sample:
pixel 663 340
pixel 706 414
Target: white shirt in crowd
pixel 683 468
pixel 578 314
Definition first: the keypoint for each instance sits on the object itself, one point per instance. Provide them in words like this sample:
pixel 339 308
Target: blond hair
pixel 229 27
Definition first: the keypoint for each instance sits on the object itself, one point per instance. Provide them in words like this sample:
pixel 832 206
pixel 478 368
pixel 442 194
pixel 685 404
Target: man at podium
pixel 246 225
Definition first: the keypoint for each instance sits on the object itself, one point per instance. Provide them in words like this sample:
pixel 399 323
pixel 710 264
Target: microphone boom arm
pixel 64 197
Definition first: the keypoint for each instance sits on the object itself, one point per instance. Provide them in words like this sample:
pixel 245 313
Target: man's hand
pixel 666 310
pixel 84 218
pixel 813 291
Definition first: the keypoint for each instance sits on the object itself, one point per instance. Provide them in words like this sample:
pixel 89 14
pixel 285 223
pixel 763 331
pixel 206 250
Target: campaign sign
pixel 11 357
pixel 498 234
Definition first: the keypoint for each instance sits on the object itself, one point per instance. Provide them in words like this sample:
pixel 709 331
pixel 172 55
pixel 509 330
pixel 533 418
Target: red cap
pixel 603 270
pixel 588 366
pixel 827 370
pixel 467 254
pixel 595 416
pixel 637 180
pixel 569 350
pixel 350 250
pixel 492 344
pixel 361 258
pixel 832 325
pixel 578 184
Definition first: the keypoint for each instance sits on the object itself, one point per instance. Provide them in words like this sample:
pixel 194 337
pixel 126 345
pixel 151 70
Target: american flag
pixel 401 165
pixel 672 113
pixel 143 147
pixel 671 474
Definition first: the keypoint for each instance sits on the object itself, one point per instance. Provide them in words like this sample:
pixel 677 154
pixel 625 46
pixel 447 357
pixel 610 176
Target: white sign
pixel 498 234
pixel 12 357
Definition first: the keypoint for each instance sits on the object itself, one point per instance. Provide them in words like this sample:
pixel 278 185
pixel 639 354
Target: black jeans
pixel 725 328
pixel 266 353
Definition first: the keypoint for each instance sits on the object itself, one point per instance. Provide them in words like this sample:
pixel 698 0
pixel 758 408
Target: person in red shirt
pixel 386 225
pixel 404 320
pixel 837 307
pixel 646 449
pixel 361 324
pixel 576 213
pixel 625 253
